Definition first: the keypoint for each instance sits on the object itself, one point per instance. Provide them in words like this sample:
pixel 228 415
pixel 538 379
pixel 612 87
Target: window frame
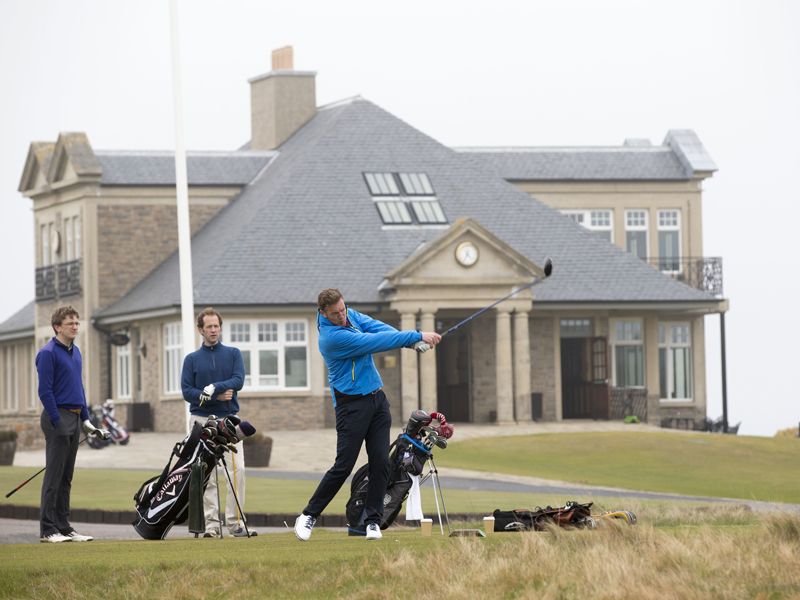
pixel 585 217
pixel 124 381
pixel 254 345
pixel 638 228
pixel 667 344
pixel 172 351
pixel 615 343
pixel 667 228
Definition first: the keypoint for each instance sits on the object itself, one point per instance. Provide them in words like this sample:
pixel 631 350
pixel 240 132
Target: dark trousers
pixel 60 450
pixel 360 419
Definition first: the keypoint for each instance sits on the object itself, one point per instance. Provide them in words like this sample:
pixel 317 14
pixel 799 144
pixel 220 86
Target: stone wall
pixel 543 375
pixel 484 370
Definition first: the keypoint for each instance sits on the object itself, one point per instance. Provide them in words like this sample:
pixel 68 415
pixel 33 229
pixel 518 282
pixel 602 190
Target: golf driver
pixel 548 269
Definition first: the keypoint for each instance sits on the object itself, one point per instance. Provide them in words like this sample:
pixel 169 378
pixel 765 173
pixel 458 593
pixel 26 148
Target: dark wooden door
pixel 584 378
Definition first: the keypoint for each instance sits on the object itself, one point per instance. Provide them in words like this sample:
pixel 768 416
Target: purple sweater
pixel 60 384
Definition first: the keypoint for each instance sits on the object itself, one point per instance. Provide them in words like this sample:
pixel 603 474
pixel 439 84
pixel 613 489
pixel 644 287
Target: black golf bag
pixel 162 501
pixel 408 455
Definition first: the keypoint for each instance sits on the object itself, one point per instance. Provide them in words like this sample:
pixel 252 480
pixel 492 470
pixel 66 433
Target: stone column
pixel 505 395
pixel 522 367
pixel 409 376
pixel 427 368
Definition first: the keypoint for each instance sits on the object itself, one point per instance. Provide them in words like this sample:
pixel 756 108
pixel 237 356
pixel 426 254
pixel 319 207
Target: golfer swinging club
pixel 347 340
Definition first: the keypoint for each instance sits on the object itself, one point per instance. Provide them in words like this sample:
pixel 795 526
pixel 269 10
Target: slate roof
pixel 158 168
pixel 20 324
pixel 307 222
pixel 680 158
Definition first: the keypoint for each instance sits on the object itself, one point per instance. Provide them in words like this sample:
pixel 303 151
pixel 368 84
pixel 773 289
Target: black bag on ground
pixel 572 514
pixel 162 501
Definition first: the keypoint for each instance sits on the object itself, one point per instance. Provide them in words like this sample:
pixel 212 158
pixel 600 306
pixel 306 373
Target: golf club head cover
pixel 417 420
pixel 445 430
pixel 244 429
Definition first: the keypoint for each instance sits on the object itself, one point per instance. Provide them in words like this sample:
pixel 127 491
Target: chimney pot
pixel 283 59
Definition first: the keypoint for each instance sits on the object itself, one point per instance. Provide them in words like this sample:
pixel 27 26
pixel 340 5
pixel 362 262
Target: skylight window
pixel 405 199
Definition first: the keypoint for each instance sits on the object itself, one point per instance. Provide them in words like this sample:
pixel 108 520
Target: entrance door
pixel 584 378
pixel 454 376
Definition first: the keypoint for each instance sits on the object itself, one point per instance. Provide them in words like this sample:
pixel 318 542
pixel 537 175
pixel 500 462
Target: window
pixel 275 353
pixel 669 241
pixel 72 238
pixel 76 230
pixel 124 371
pixel 596 221
pixel 576 328
pixel 636 232
pixel 628 355
pixel 405 199
pixel 675 361
pixel 173 348
pixel 10 398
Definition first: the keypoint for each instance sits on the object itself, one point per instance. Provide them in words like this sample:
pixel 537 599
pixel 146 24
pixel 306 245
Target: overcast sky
pixel 497 73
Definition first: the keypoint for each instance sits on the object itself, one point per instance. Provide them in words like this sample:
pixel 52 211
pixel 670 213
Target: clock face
pixel 467 253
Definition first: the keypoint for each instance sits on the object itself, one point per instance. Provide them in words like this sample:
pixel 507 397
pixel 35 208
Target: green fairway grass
pixel 715 552
pixel 114 489
pixel 752 468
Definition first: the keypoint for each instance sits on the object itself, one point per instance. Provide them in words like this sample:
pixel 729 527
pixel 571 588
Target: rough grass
pixel 754 468
pixel 721 552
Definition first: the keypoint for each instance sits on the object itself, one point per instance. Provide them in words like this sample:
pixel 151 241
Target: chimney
pixel 281 101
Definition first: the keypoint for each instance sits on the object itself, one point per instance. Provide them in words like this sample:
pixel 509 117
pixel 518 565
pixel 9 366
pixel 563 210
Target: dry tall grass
pixel 711 554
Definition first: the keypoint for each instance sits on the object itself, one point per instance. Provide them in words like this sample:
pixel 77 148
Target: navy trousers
pixel 358 419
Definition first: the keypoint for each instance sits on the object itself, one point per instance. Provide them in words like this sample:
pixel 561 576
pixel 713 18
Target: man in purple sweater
pixel 61 392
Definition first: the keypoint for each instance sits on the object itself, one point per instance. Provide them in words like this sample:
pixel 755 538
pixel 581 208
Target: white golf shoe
pixel 374 532
pixel 303 526
pixel 77 537
pixel 55 538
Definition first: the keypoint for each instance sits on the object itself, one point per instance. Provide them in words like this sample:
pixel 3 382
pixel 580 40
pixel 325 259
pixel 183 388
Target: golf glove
pixel 422 347
pixel 90 429
pixel 208 391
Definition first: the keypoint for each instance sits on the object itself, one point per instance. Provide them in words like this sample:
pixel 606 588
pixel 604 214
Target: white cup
pixel 426 526
pixel 488 525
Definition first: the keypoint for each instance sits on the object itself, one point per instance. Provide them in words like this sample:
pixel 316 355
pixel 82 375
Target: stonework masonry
pixel 543 376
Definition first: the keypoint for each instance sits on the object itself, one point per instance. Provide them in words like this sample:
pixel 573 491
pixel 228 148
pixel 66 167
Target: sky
pixel 467 73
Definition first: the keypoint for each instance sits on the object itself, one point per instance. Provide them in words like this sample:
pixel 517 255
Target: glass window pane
pixel 629 366
pixel 248 380
pixel 681 373
pixel 662 372
pixel 296 366
pixel 668 251
pixel 636 243
pixel 267 332
pixel 268 367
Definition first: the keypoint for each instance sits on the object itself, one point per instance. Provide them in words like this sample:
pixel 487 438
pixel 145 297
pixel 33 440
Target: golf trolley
pixel 408 456
pixel 177 494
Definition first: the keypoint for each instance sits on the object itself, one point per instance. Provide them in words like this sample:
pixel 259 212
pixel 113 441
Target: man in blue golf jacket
pixel 347 340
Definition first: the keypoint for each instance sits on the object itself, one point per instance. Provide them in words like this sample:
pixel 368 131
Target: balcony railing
pixel 703 273
pixel 58 281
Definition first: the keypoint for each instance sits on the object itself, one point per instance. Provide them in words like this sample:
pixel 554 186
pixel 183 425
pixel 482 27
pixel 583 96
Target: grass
pixel 753 468
pixel 721 552
pixel 114 489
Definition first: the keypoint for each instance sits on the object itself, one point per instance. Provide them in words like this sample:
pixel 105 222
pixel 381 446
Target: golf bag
pixel 571 515
pixel 102 417
pixel 408 455
pixel 163 501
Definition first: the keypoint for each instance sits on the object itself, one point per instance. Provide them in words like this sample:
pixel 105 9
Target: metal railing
pixel 58 281
pixel 702 273
pixel 626 402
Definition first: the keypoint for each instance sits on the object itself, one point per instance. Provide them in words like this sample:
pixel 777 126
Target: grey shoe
pixel 242 532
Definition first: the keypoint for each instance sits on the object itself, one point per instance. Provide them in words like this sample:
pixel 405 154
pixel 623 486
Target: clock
pixel 467 254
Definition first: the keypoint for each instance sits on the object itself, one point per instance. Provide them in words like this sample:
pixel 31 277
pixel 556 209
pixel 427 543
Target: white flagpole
pixel 182 194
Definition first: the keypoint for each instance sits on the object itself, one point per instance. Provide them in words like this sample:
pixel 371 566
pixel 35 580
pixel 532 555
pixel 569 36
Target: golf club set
pixel 102 417
pixel 408 456
pixel 177 494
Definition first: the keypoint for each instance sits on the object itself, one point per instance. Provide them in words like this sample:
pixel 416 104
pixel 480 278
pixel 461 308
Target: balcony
pixel 58 281
pixel 704 273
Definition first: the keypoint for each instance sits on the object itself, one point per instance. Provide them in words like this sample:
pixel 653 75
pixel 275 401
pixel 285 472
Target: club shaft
pixel 491 306
pixel 34 476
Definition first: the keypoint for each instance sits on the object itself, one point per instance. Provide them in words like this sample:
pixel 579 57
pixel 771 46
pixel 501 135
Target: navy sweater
pixel 60 384
pixel 220 365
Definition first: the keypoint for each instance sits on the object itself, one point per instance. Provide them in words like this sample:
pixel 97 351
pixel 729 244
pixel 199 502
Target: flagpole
pixel 182 196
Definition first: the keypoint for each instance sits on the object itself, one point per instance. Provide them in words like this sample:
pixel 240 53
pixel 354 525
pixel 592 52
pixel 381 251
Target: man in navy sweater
pixel 347 340
pixel 210 380
pixel 61 392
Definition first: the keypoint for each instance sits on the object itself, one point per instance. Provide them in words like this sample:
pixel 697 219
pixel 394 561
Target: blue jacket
pixel 60 384
pixel 348 351
pixel 221 365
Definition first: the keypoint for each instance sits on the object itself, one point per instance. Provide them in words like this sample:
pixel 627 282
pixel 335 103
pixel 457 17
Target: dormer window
pixel 405 199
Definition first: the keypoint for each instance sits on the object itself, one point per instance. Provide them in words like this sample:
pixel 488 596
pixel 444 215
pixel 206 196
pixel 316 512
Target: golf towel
pixel 414 502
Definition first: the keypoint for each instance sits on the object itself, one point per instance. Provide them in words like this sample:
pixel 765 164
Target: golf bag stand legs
pixel 220 514
pixel 235 496
pixel 434 472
